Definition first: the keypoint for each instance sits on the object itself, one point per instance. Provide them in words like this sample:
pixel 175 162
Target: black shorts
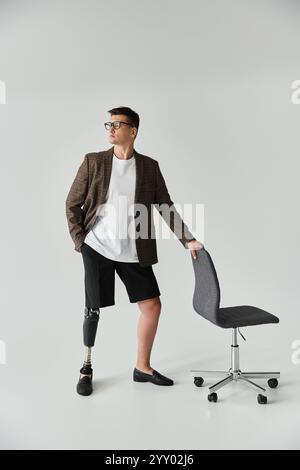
pixel 99 279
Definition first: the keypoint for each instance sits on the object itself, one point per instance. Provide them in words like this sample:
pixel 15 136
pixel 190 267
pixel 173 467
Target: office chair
pixel 206 302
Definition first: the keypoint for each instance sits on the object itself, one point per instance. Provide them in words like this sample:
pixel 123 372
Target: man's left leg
pixel 141 283
pixel 147 326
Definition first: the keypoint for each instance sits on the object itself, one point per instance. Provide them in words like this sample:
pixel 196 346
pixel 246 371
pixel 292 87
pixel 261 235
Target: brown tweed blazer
pixel 89 190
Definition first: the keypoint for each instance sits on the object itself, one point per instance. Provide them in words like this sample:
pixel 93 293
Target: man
pixel 103 180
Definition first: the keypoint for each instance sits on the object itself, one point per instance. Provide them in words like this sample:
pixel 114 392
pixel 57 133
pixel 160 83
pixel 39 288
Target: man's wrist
pixel 188 241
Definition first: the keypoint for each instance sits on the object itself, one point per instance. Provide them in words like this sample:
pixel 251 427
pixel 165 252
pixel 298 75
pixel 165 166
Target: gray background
pixel 211 81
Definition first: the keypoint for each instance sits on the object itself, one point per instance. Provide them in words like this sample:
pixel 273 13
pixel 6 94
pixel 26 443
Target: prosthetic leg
pixel 90 324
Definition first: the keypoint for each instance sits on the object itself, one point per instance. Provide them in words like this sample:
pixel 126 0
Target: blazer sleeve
pixel 168 211
pixel 74 202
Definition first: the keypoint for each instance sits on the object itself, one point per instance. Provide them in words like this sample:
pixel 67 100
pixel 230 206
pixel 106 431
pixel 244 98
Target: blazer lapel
pixel 139 164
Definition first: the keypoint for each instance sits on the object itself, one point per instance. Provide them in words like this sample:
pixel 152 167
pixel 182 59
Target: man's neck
pixel 123 153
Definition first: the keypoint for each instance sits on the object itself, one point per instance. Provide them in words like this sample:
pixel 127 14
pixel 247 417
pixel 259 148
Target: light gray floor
pixel 41 410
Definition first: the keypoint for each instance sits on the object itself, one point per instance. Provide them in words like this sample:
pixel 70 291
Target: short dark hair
pixel 134 118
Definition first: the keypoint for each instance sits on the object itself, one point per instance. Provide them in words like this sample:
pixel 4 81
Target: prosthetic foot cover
pixel 90 324
pixel 86 369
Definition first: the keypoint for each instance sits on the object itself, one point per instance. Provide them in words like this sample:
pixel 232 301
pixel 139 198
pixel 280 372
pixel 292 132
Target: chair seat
pixel 244 315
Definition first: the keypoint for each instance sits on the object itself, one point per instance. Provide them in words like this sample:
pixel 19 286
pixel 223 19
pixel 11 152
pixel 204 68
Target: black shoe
pixel 84 385
pixel 156 378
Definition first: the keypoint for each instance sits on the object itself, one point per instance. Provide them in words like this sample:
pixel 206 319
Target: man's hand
pixel 194 245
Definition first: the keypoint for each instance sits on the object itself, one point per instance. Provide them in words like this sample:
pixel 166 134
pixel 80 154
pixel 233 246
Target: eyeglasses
pixel 116 124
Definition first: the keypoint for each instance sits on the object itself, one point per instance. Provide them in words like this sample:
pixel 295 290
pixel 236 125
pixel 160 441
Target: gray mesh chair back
pixel 206 298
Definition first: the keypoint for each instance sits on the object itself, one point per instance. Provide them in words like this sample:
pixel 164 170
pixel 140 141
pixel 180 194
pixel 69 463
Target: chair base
pixel 235 374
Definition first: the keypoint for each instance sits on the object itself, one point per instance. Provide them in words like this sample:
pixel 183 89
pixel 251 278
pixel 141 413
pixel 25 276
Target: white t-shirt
pixel 113 232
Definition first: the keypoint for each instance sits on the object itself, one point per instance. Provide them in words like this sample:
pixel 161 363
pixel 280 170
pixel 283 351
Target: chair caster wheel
pixel 198 381
pixel 273 383
pixel 262 399
pixel 213 397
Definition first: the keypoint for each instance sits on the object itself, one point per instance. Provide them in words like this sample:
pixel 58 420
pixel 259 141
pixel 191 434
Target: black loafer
pixel 84 385
pixel 156 378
